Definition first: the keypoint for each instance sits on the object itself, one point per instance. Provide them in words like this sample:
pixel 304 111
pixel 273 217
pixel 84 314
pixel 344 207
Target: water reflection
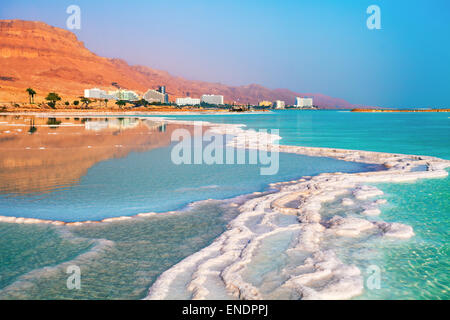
pixel 39 154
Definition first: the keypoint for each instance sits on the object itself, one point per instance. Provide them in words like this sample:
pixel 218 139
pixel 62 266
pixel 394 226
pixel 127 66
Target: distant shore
pixel 138 110
pixel 400 110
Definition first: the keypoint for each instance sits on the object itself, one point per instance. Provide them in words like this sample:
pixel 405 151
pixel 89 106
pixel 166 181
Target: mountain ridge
pixel 47 58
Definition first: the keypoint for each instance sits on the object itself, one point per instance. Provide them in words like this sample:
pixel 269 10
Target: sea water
pixel 129 181
pixel 412 269
pixel 72 169
pixel 141 249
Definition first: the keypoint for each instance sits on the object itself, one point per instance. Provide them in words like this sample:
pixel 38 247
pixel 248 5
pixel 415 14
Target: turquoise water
pixel 151 182
pixel 416 268
pixel 143 248
pixel 410 133
pixel 413 269
pixel 419 268
pixel 34 258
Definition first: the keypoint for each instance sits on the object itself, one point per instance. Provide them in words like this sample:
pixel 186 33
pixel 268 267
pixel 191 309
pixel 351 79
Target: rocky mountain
pixel 35 54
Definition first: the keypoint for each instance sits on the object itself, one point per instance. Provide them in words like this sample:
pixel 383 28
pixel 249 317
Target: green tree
pixel 85 102
pixel 67 103
pixel 106 103
pixel 76 102
pixel 141 102
pixel 121 103
pixel 52 97
pixel 31 94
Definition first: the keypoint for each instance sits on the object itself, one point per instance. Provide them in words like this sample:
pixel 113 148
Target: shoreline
pixel 127 113
pixel 141 110
pixel 399 110
pixel 237 245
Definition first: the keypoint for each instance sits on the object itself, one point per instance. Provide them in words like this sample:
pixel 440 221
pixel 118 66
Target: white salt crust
pixel 227 258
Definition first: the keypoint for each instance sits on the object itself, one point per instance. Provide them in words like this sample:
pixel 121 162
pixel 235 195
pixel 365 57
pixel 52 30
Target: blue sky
pixel 307 46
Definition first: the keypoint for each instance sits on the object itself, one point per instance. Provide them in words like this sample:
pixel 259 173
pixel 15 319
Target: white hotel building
pixel 304 102
pixel 126 95
pixel 188 101
pixel 96 93
pixel 212 99
pixel 279 104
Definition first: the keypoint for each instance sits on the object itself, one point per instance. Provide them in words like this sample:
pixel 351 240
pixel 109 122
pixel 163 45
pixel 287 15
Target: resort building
pixel 212 99
pixel 303 102
pixel 124 95
pixel 265 103
pixel 96 93
pixel 114 94
pixel 159 95
pixel 128 95
pixel 188 101
pixel 278 104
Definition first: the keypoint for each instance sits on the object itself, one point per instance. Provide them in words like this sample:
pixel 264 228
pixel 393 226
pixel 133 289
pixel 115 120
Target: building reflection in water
pixel 39 154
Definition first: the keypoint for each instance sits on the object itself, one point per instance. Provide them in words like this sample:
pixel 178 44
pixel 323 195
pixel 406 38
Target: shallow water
pixel 410 269
pixel 418 268
pixel 143 248
pixel 140 250
pixel 72 169
pixel 122 172
pixel 402 132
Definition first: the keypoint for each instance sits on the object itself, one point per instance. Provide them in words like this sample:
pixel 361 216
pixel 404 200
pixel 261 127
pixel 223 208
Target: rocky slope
pixel 34 54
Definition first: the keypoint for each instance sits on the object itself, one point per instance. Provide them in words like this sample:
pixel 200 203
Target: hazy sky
pixel 306 46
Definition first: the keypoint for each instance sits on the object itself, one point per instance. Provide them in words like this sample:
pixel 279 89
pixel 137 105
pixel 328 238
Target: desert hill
pixel 35 54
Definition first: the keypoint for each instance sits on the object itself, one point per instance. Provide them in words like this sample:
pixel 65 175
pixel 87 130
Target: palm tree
pixel 31 93
pixel 106 103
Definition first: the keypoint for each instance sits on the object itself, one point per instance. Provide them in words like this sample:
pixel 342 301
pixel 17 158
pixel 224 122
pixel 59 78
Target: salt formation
pixel 222 269
pixel 347 202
